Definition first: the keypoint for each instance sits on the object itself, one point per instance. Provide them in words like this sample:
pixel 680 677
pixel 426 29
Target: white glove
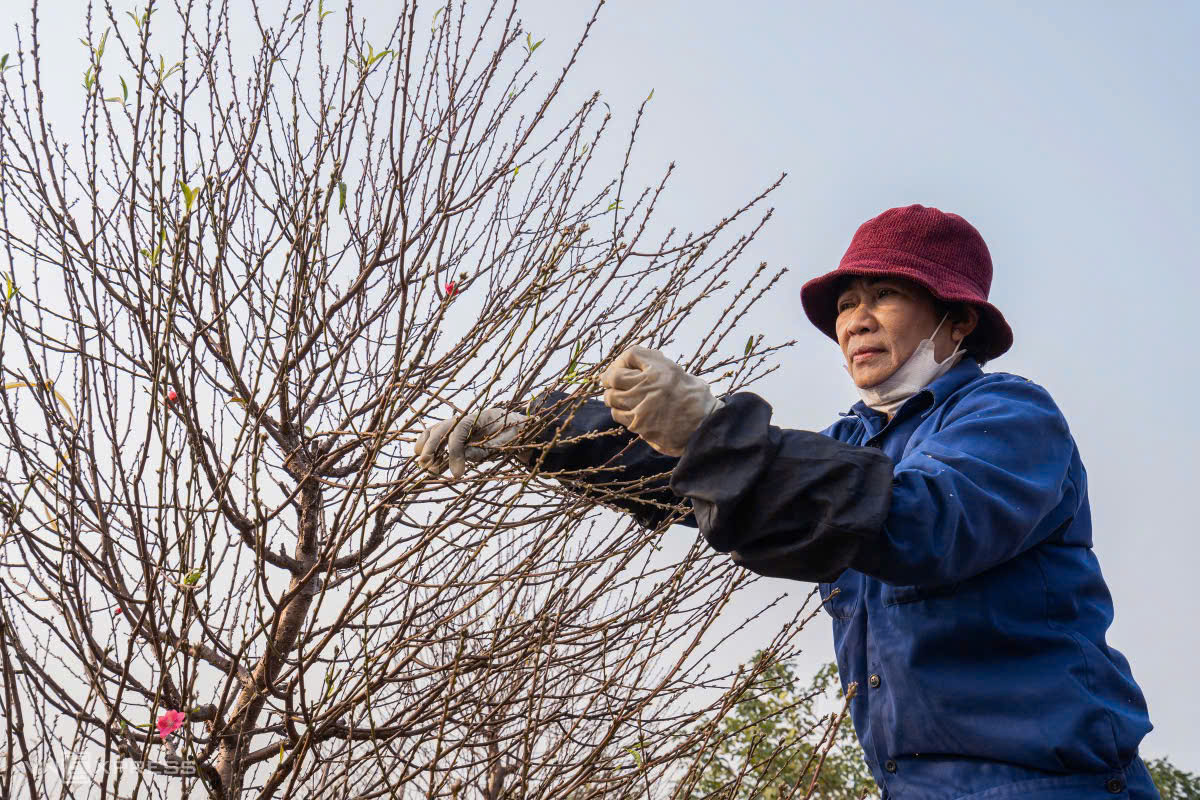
pixel 471 439
pixel 653 397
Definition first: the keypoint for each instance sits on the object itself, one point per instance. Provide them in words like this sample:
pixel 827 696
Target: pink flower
pixel 170 722
pixel 172 396
pixel 451 290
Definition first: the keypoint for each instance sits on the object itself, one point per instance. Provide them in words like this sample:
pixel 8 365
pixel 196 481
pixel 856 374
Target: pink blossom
pixel 451 290
pixel 172 396
pixel 170 722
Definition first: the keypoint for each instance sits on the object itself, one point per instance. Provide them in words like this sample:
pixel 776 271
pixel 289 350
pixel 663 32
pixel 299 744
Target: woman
pixel 948 509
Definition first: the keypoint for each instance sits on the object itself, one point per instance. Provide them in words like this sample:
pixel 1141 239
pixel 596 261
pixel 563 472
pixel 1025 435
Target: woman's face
pixel 881 321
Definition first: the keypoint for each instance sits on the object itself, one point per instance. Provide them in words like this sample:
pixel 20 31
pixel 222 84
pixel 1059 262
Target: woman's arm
pixel 595 456
pixel 783 503
pixel 998 478
pixel 985 487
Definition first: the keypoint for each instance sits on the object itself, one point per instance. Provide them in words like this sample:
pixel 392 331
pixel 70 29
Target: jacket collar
pixel 962 373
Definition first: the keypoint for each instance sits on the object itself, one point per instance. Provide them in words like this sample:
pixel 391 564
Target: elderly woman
pixel 945 517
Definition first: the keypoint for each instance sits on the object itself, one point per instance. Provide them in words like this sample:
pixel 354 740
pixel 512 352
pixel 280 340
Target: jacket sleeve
pixel 595 456
pixel 783 503
pixel 996 479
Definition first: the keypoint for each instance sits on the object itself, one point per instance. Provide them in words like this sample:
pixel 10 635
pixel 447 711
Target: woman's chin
pixel 870 377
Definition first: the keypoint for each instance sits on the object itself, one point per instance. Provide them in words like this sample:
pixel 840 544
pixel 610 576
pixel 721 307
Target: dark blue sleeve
pixel 995 480
pixel 595 456
pixel 783 503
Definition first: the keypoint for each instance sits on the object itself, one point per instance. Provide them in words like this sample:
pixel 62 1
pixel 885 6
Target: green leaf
pixel 436 14
pixel 153 255
pixel 375 58
pixel 3 61
pixel 100 49
pixel 88 79
pixel 189 196
pixel 139 19
pixel 10 288
pixel 372 58
pixel 650 96
pixel 241 401
pixel 164 72
pixel 341 196
pixel 193 577
pixel 298 17
pixel 615 205
pixel 572 373
pixel 749 345
pixel 124 90
pixel 516 169
pixel 531 45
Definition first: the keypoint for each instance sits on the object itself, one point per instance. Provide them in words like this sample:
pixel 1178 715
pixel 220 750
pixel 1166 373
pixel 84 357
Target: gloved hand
pixel 653 397
pixel 471 439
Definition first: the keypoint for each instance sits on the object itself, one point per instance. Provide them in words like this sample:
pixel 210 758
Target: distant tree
pixel 1172 782
pixel 767 747
pixel 777 737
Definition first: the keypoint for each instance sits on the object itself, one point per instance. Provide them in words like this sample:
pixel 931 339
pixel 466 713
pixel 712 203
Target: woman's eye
pixel 885 292
pixel 844 306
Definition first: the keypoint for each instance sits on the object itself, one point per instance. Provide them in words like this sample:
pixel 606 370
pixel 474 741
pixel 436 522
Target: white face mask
pixel 920 370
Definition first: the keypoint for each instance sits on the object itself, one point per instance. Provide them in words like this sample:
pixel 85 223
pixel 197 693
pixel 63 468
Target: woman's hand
pixel 472 438
pixel 653 397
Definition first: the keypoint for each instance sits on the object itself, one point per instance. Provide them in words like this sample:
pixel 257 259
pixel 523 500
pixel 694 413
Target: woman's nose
pixel 860 319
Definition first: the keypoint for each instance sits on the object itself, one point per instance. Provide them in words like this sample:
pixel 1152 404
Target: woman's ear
pixel 965 320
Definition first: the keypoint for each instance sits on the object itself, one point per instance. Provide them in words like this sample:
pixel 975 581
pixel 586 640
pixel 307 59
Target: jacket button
pixel 890 766
pixel 1115 785
pixel 874 681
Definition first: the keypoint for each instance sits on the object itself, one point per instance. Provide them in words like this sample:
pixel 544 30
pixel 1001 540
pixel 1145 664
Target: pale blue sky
pixel 1065 131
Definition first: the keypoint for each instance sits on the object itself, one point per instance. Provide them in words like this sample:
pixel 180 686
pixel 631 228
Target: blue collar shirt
pixel 978 639
pixel 952 545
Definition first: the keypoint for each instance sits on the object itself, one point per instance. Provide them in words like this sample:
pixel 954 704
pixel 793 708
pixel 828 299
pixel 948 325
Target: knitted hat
pixel 942 252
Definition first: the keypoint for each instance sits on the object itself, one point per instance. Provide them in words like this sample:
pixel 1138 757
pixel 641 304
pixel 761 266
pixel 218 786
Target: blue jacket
pixel 953 550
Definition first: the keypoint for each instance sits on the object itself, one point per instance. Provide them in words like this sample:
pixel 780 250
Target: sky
pixel 1065 132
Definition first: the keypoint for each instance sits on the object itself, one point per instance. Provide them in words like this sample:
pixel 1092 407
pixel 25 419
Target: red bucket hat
pixel 942 252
